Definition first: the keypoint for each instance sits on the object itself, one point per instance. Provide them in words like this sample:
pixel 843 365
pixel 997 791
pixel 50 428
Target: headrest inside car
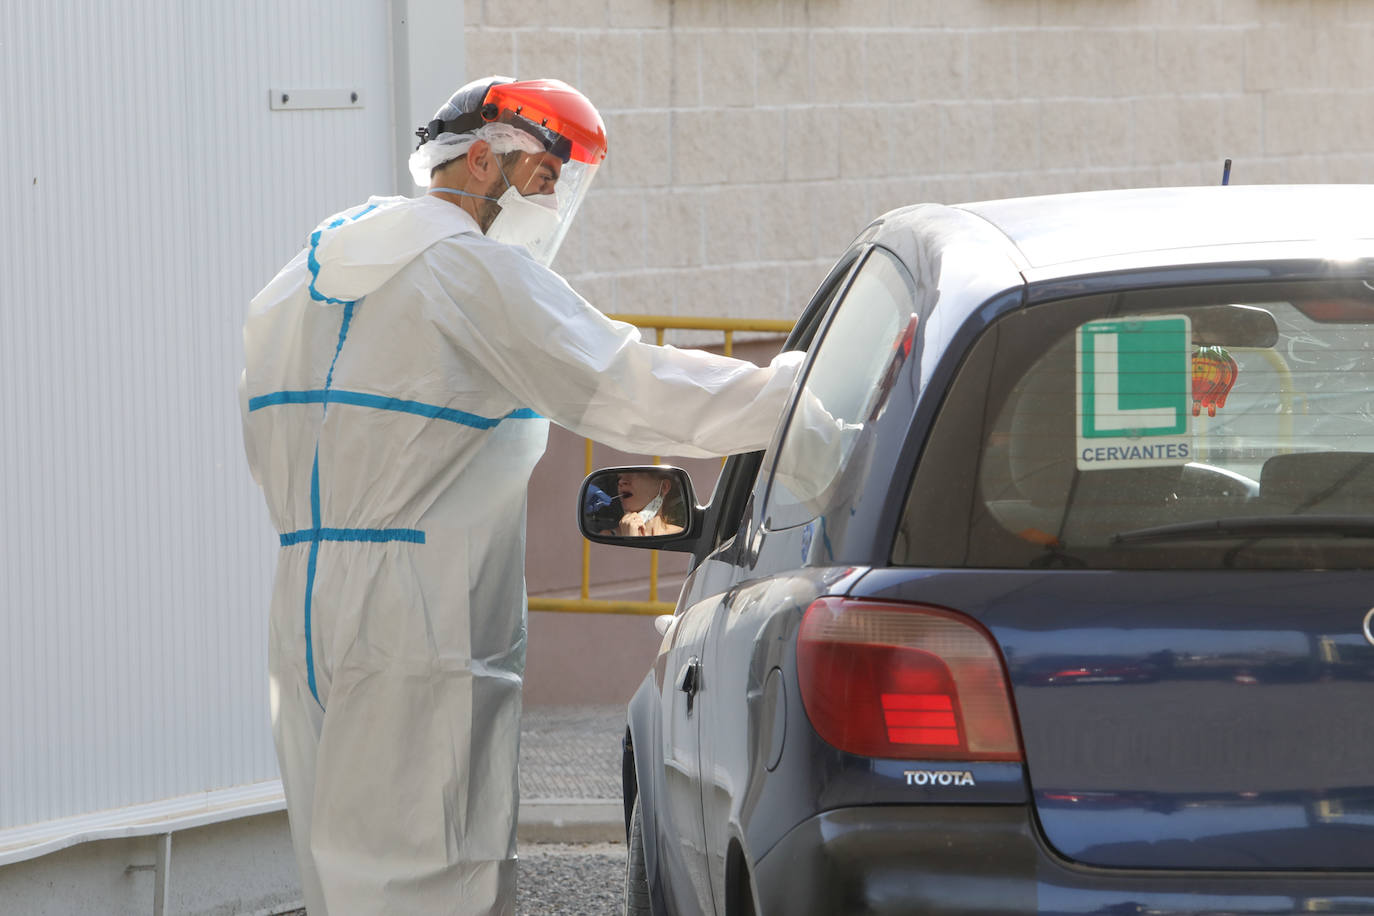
pixel 1330 481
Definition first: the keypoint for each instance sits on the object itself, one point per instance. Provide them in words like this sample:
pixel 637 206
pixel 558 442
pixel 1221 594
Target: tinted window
pixel 1168 429
pixel 855 361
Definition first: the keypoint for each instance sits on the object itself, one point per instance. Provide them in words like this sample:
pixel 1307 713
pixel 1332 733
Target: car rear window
pixel 1197 428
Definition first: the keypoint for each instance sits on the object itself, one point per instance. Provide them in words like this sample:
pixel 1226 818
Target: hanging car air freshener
pixel 1214 374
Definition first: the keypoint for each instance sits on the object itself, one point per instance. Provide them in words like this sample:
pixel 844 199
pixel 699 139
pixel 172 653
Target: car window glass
pixel 1158 430
pixel 740 474
pixel 843 387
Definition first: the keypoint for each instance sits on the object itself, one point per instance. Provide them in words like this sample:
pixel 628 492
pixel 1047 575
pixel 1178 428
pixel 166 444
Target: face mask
pixel 524 220
pixel 649 511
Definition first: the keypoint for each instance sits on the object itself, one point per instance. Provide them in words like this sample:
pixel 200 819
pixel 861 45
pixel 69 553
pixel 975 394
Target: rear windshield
pixel 1195 428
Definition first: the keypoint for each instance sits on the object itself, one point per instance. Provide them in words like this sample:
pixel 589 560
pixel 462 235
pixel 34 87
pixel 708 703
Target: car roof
pixel 1040 249
pixel 1060 229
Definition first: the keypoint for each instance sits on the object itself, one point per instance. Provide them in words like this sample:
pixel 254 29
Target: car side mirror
pixel 650 505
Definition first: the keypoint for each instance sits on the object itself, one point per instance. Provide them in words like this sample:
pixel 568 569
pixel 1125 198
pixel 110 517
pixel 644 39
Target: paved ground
pixel 570 763
pixel 571 752
pixel 570 770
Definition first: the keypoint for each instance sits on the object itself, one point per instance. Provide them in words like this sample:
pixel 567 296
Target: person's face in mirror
pixel 637 489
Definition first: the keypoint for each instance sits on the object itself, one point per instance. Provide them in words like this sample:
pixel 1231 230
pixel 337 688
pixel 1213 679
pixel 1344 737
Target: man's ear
pixel 481 161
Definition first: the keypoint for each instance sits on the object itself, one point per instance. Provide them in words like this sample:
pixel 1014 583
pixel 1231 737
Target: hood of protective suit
pixel 351 254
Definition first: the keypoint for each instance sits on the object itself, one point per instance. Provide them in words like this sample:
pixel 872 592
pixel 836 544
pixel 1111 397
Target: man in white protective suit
pixel 401 373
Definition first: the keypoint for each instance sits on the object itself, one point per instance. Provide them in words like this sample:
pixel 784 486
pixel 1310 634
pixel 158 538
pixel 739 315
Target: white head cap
pixel 446 147
pixel 440 142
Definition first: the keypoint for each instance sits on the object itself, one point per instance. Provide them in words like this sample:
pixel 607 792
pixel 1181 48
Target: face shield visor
pixel 546 119
pixel 568 127
pixel 540 222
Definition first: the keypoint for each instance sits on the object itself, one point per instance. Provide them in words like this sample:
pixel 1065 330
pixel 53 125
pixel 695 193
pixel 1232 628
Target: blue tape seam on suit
pixel 381 402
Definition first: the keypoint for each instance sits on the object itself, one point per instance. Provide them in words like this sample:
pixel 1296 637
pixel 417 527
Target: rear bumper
pixel 969 859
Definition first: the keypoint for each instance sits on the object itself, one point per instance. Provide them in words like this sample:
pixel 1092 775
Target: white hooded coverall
pixel 400 375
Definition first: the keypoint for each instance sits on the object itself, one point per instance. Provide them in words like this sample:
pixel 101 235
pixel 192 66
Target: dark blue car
pixel 1053 592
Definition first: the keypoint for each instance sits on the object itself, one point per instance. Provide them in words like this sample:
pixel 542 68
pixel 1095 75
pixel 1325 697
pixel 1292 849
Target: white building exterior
pixel 162 158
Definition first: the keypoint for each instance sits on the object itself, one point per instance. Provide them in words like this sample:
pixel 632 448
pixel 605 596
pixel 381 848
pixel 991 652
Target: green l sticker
pixel 1134 382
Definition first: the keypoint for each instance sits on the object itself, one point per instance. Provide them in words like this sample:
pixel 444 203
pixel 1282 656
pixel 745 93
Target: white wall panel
pixel 148 191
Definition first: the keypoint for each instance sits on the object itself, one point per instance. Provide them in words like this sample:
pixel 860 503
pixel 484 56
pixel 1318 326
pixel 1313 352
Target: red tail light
pixel 904 680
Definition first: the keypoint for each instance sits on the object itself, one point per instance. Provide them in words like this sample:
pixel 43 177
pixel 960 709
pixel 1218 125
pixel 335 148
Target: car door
pixel 719 581
pixel 679 833
pixel 686 681
pixel 681 836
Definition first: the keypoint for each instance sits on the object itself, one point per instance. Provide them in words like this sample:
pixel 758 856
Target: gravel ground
pixel 560 880
pixel 571 880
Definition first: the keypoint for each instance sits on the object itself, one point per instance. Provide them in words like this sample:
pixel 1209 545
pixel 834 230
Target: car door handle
pixel 689 681
pixel 689 678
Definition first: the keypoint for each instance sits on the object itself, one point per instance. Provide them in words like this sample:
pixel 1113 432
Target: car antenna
pixel 1226 173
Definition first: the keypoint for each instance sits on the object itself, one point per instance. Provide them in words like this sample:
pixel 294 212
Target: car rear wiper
pixel 1257 526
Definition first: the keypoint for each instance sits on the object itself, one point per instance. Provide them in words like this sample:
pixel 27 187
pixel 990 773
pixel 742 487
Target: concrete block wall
pixel 750 140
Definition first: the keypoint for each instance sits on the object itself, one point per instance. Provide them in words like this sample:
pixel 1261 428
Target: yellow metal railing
pixel 585 604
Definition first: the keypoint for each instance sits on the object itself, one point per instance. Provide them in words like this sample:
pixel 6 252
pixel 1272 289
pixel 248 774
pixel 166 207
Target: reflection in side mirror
pixel 653 502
